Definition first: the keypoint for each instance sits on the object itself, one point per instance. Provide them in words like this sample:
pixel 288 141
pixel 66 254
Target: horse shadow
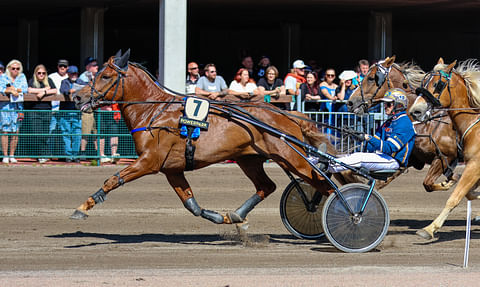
pixel 442 236
pixel 188 239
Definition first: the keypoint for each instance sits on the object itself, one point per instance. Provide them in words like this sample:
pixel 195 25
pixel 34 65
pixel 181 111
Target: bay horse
pixel 152 115
pixel 458 92
pixel 435 143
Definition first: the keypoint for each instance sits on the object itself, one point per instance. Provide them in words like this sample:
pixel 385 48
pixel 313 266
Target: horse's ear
pixel 440 61
pixel 118 54
pixel 122 62
pixel 389 62
pixel 450 67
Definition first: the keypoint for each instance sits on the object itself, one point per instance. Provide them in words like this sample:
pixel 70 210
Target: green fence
pixel 45 134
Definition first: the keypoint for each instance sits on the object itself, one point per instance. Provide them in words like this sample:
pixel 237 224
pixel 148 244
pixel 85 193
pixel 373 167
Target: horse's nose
pixel 349 103
pixel 416 114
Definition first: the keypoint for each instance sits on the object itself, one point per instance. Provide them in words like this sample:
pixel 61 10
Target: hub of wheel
pixel 356 218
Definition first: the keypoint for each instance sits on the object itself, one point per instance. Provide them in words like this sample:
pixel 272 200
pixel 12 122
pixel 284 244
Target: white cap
pixel 299 64
pixel 347 75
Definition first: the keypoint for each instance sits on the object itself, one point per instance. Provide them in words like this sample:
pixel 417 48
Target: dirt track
pixel 142 235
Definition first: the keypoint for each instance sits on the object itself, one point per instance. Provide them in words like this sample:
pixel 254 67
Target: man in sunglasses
pixel 211 85
pixel 193 74
pixel 392 143
pixel 91 69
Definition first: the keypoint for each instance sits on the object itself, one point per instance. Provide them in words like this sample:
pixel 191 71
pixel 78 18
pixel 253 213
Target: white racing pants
pixel 368 160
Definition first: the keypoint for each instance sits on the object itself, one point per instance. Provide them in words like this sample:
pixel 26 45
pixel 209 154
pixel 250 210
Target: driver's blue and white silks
pixel 395 138
pixel 389 148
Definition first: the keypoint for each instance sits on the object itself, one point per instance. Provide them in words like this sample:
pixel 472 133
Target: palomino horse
pixel 152 115
pixel 457 91
pixel 435 143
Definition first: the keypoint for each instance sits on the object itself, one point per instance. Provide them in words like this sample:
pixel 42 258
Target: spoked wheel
pixel 355 232
pixel 301 210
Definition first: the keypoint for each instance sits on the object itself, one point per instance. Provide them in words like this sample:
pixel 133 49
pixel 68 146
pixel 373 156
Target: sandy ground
pixel 142 235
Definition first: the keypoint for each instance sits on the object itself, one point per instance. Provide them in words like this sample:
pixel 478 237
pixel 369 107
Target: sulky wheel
pixel 301 210
pixel 354 232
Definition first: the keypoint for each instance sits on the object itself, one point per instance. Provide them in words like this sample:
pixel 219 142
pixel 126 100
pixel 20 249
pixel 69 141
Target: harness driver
pixel 392 143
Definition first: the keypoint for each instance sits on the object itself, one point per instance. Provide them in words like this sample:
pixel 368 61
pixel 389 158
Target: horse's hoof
pixel 476 220
pixel 234 217
pixel 78 215
pixel 244 225
pixel 423 234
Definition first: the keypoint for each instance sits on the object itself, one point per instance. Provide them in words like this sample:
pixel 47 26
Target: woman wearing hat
pixel 345 89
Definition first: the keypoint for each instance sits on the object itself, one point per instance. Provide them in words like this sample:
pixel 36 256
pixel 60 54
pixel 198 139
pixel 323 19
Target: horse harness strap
pixel 467 130
pixel 189 150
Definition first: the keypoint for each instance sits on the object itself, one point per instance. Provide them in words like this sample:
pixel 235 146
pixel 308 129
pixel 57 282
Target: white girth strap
pixel 467 130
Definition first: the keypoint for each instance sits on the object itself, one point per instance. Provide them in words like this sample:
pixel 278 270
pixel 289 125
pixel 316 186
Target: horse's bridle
pixel 432 100
pixel 122 73
pixel 381 75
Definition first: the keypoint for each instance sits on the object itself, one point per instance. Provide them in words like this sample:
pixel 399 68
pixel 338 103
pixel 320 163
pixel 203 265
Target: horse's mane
pixel 470 71
pixel 412 72
pixel 138 65
pixel 155 80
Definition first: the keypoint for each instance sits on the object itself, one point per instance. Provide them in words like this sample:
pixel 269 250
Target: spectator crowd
pixel 43 117
pixel 262 80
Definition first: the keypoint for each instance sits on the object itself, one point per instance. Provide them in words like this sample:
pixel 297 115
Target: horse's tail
pixel 310 132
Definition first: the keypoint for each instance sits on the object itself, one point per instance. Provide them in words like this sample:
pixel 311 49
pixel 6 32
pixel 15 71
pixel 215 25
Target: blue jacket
pixel 395 138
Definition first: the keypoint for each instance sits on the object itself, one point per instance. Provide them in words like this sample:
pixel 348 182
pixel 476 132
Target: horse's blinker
pixel 422 92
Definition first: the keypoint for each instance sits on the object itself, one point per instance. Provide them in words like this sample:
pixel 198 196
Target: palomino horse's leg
pixel 253 168
pixel 183 190
pixel 131 172
pixel 467 183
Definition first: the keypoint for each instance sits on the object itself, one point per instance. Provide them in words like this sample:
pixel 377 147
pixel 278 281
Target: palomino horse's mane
pixel 412 72
pixel 469 70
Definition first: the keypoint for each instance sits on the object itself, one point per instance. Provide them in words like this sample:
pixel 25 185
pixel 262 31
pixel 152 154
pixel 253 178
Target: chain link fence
pixel 46 134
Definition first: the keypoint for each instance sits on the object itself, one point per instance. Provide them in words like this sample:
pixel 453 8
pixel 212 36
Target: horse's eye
pixel 371 79
pixel 434 85
pixel 105 77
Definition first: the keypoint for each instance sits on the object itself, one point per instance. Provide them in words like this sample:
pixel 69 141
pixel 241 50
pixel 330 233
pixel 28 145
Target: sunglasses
pixel 388 104
pixel 41 73
pixel 212 71
pixel 194 68
pixel 330 75
pixel 15 68
pixel 62 66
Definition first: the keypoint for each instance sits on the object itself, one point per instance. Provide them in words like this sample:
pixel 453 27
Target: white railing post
pixel 467 233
